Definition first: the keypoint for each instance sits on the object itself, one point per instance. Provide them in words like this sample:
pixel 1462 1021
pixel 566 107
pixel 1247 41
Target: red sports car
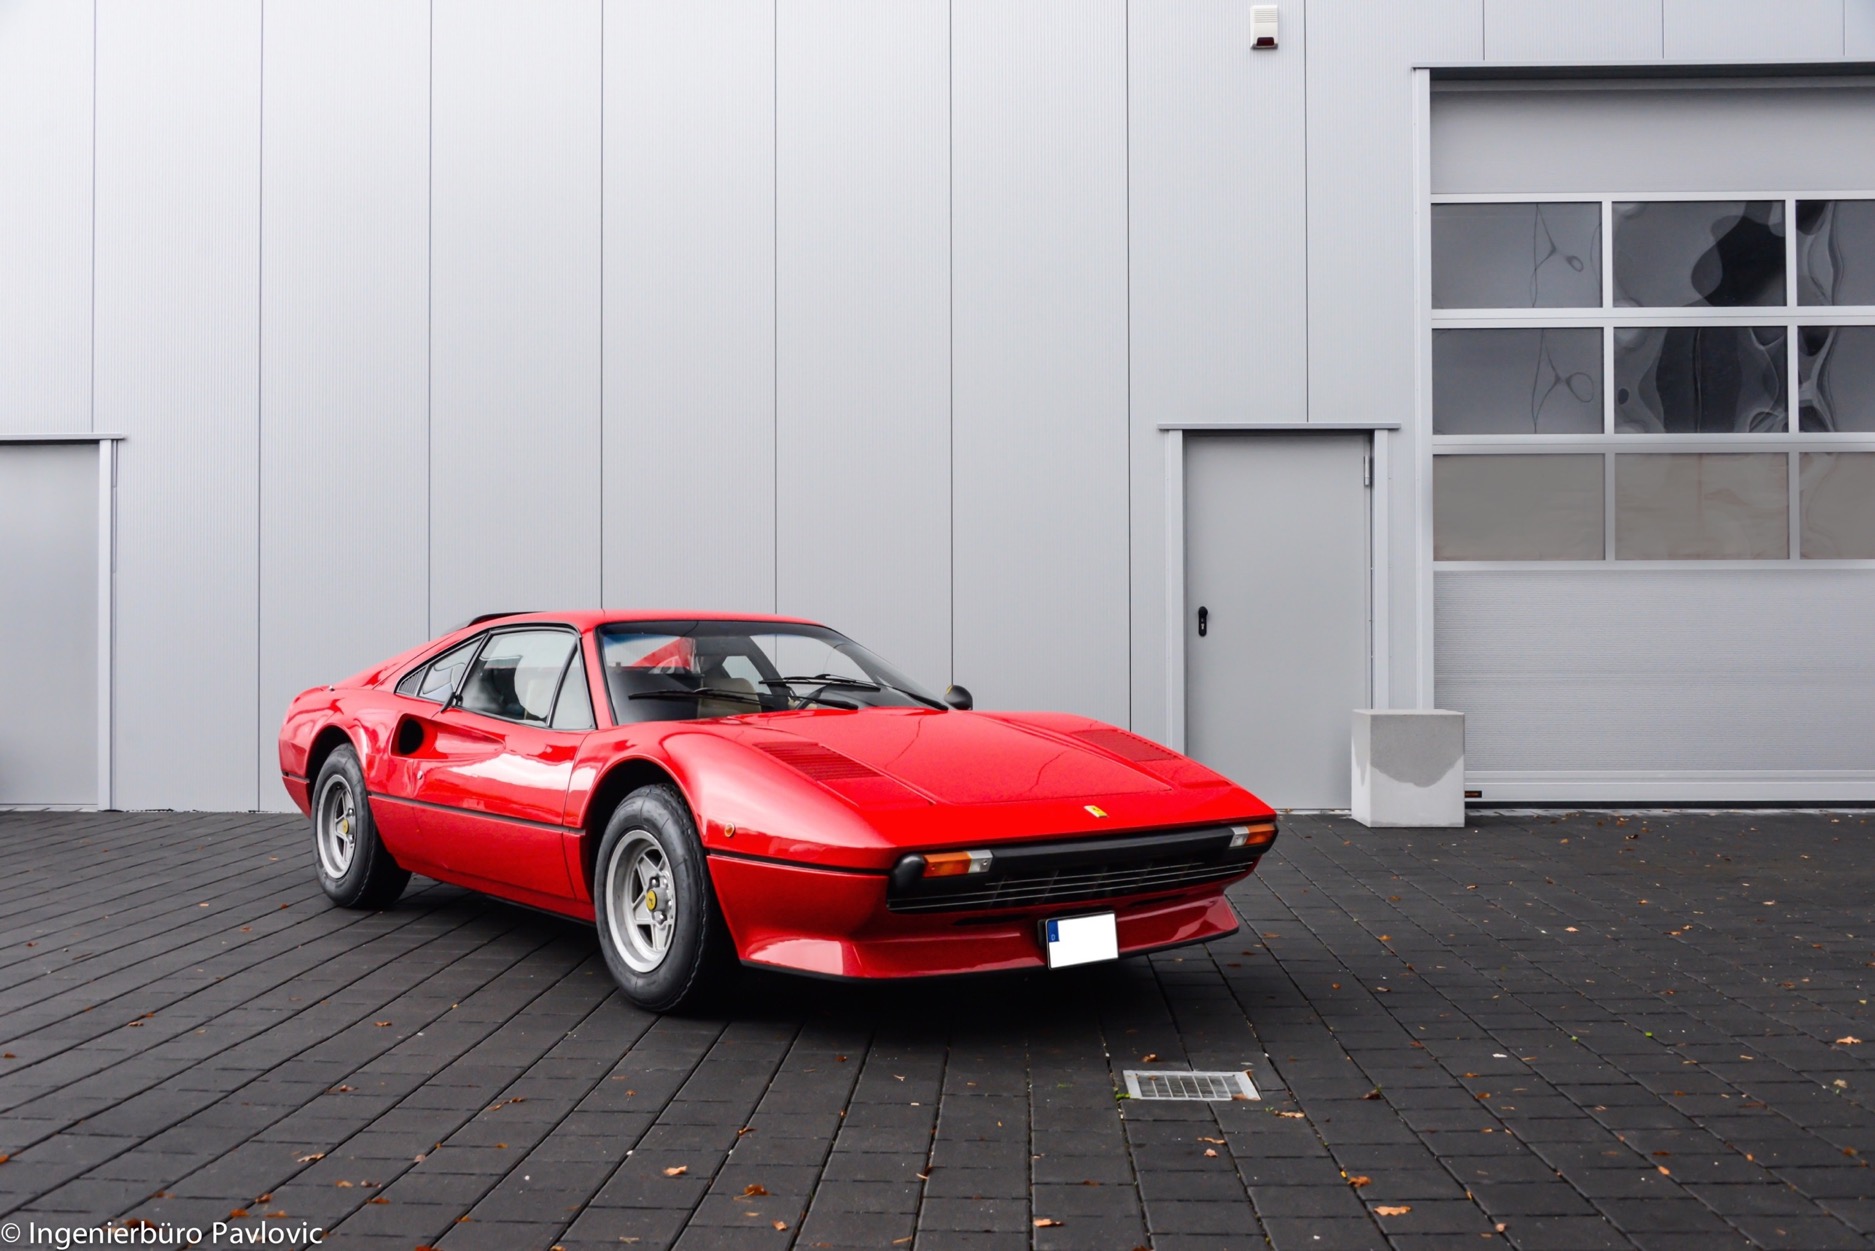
pixel 712 788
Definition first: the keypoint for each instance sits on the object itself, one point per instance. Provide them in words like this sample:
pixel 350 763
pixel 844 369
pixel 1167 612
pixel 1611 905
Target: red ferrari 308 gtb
pixel 707 788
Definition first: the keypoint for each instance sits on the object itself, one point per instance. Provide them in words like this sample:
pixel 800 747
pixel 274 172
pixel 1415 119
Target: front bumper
pixel 841 923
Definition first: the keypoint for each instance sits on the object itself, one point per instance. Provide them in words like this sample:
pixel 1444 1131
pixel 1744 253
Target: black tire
pixel 354 869
pixel 651 852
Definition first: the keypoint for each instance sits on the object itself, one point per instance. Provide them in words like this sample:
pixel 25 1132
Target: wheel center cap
pixel 651 899
pixel 345 827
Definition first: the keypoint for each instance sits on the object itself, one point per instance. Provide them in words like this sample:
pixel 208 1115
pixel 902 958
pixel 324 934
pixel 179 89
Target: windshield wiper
pixel 711 692
pixel 825 679
pixel 746 697
pixel 854 684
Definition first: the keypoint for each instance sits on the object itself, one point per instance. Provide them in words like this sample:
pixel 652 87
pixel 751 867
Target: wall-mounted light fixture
pixel 1263 26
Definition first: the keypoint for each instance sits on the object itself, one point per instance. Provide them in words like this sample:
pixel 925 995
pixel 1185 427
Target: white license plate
pixel 1080 940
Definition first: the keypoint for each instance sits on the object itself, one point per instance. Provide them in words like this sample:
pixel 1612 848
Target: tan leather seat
pixel 709 707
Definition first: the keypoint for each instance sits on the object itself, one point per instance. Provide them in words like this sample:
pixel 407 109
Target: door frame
pixel 107 584
pixel 1380 441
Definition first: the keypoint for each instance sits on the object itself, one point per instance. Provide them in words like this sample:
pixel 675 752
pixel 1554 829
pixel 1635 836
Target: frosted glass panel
pixel 1836 252
pixel 1681 254
pixel 1517 381
pixel 1516 255
pixel 1838 505
pixel 1517 507
pixel 1702 506
pixel 1836 377
pixel 1700 379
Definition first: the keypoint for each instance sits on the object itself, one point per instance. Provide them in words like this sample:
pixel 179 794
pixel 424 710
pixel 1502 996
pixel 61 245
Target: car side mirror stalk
pixel 958 697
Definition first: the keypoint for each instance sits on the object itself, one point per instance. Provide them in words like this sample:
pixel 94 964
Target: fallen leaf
pixel 677 1170
pixel 755 1188
pixel 379 1199
pixel 1358 1182
pixel 380 1024
pixel 1372 1094
pixel 1293 1116
pixel 781 1224
pixel 1151 1057
pixel 1210 1153
pixel 308 1159
pixel 237 1214
pixel 343 1185
pixel 1398 1209
pixel 1663 1170
pixel 1570 929
pixel 1848 1040
pixel 278 1215
pixel 1218 1141
pixel 1044 1222
pixel 746 1129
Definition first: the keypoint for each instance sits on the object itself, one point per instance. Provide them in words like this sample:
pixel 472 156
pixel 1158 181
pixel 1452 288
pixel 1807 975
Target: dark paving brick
pixel 1546 1031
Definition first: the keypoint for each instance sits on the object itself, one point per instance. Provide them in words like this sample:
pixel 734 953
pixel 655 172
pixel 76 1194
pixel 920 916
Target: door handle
pixel 1204 620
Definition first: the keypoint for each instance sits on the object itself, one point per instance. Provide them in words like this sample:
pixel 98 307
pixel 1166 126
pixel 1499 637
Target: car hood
pixel 957 758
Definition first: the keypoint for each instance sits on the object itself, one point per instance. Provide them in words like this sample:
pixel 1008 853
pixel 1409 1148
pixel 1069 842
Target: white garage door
pixel 1653 417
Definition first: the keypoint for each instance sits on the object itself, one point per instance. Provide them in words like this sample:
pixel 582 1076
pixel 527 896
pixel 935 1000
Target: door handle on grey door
pixel 1204 620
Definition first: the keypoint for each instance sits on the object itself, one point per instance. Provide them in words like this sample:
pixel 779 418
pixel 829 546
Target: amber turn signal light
pixel 955 863
pixel 1260 834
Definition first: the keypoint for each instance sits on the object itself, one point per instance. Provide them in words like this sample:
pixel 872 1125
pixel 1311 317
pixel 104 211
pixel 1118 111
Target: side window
pixel 437 679
pixel 517 674
pixel 574 709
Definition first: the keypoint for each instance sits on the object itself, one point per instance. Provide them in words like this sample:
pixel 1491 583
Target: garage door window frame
pixel 1606 317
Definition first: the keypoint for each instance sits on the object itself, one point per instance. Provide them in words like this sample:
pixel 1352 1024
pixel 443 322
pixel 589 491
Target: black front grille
pixel 1074 871
pixel 1022 890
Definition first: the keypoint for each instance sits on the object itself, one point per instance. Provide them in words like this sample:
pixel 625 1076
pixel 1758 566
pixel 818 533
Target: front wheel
pixel 659 926
pixel 354 868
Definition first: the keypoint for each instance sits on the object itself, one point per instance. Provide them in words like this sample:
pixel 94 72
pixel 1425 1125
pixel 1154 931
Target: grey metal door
pixel 1276 609
pixel 49 624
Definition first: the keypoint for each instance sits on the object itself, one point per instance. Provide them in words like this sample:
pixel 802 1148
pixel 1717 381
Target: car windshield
pixel 690 670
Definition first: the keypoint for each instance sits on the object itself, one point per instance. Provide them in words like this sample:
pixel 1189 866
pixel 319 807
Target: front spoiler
pixel 836 924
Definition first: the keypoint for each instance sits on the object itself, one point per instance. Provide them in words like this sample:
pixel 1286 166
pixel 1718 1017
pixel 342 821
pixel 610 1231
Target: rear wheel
pixel 354 869
pixel 659 925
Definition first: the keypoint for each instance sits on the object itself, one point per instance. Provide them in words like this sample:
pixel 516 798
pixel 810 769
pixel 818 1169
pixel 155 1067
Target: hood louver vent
pixel 1121 743
pixel 823 764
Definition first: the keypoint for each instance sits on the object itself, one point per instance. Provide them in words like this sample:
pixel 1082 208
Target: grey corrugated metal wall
pixel 868 311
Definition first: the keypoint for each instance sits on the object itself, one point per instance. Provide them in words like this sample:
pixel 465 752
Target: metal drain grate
pixel 1174 1084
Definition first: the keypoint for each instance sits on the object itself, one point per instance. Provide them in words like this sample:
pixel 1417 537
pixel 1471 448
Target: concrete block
pixel 1409 767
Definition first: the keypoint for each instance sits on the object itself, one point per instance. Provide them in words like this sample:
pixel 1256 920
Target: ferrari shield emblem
pixel 1095 809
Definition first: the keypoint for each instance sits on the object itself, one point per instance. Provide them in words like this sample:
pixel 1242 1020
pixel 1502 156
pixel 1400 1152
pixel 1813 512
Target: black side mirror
pixel 958 697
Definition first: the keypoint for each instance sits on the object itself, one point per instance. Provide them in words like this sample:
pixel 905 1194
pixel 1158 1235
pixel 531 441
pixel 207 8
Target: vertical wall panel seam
pixel 1126 95
pixel 1308 323
pixel 260 388
pixel 602 289
pixel 107 547
pixel 94 219
pixel 774 303
pixel 429 343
